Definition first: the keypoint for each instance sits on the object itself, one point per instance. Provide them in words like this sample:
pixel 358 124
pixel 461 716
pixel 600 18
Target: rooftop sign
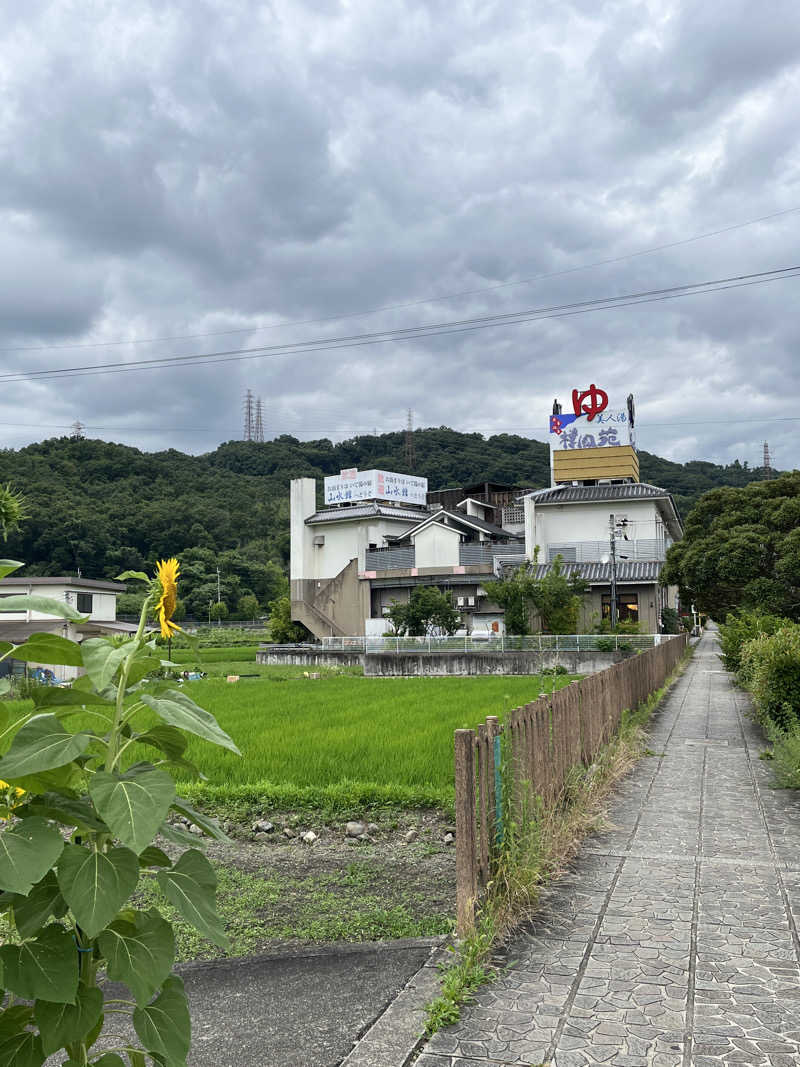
pixel 590 424
pixel 350 485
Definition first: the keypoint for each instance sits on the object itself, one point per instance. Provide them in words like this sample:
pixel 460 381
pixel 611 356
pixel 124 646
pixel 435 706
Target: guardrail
pixel 495 643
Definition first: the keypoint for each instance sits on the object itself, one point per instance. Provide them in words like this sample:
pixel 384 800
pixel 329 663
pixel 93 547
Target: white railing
pixel 494 643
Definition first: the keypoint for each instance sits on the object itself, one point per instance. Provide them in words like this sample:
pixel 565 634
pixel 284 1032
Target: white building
pixel 377 538
pixel 97 599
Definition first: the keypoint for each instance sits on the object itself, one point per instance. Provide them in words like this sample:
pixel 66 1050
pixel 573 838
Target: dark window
pixel 84 604
pixel 627 606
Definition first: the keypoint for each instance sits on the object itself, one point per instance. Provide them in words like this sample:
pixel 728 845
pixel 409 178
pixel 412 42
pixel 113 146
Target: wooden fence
pixel 543 740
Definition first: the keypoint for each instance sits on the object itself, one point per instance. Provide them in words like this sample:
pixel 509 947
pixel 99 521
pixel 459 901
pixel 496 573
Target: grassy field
pixel 336 742
pixel 337 739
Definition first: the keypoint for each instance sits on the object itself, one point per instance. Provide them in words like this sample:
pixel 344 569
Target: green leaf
pixel 65 781
pixel 206 822
pixel 8 566
pixel 44 605
pixel 109 1059
pixel 178 710
pixel 31 912
pixel 167 739
pixel 163 1027
pixel 63 1024
pixel 50 649
pixel 96 884
pixel 43 969
pixel 45 696
pixel 154 857
pixel 127 576
pixel 101 659
pixel 190 886
pixel 5 683
pixel 68 811
pixel 41 745
pixel 141 667
pixel 136 1057
pixel 133 804
pixel 140 954
pixel 23 1049
pixel 14 1019
pixel 27 852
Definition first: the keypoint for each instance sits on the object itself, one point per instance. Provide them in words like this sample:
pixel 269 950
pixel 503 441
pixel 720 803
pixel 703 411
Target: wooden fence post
pixel 466 875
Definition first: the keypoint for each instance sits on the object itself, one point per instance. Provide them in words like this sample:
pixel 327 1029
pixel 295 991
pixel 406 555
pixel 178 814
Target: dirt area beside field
pixel 397 881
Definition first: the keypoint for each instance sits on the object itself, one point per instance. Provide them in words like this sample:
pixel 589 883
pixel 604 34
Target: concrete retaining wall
pixel 441 664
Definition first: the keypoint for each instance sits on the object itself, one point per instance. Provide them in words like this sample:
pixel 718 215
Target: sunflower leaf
pixel 139 953
pixel 178 710
pixel 163 1027
pixel 96 884
pixel 133 804
pixel 44 968
pixel 27 852
pixel 101 659
pixel 41 745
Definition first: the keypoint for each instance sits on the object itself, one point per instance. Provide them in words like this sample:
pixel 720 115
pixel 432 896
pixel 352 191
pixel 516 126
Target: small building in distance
pixel 89 596
pixel 377 534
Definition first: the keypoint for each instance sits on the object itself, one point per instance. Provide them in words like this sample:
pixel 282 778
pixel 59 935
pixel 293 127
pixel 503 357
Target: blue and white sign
pixel 351 485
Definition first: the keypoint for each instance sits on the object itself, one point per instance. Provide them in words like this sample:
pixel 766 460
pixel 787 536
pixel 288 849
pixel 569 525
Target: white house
pixel 97 599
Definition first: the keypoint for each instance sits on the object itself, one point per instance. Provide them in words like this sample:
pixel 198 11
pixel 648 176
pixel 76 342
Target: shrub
pixel 740 627
pixel 670 621
pixel 771 666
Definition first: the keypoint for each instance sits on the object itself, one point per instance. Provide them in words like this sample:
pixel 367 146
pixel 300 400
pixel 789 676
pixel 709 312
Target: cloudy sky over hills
pixel 188 178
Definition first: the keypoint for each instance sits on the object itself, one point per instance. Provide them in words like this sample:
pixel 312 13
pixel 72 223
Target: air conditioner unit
pixel 319 540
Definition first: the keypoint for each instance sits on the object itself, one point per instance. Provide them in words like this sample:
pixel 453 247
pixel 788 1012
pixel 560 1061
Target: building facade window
pixel 627 607
pixel 84 603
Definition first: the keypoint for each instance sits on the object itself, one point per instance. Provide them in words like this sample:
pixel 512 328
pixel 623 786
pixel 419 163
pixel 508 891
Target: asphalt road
pixel 301 1008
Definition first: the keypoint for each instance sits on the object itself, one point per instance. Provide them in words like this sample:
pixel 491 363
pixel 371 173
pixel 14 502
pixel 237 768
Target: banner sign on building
pixel 590 424
pixel 350 485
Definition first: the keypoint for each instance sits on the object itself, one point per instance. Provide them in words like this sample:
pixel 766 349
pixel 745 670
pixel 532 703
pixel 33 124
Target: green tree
pixel 249 607
pixel 218 611
pixel 555 598
pixel 282 628
pixel 428 612
pixel 13 510
pixel 741 549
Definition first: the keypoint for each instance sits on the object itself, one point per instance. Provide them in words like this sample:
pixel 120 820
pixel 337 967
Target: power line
pixel 416 332
pixel 413 303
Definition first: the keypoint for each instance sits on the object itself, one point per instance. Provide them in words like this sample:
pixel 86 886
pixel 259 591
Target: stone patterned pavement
pixel 673 941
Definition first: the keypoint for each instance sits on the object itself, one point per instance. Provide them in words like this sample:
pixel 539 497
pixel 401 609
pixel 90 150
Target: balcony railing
pixel 475 554
pixel 389 559
pixel 642 548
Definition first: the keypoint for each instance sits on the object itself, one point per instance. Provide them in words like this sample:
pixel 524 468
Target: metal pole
pixel 613 546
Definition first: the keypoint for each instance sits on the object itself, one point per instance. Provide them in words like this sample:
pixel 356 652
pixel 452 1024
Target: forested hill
pixel 103 508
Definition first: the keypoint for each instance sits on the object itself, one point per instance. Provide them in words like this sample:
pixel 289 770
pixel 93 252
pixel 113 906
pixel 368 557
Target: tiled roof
pixel 365 511
pixel 600 573
pixel 77 583
pixel 461 517
pixel 569 494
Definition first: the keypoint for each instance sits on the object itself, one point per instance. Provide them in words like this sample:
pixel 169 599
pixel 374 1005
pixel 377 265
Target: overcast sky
pixel 211 166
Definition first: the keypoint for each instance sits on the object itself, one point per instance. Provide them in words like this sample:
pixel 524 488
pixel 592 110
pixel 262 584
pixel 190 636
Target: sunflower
pixel 12 793
pixel 168 571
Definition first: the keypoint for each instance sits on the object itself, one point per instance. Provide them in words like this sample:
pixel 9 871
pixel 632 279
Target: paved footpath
pixel 673 940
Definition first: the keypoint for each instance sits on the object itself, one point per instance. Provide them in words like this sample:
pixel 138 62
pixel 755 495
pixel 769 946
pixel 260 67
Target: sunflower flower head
pixel 167 571
pixel 12 794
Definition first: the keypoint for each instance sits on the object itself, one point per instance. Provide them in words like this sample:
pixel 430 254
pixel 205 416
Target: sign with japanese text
pixel 352 485
pixel 590 424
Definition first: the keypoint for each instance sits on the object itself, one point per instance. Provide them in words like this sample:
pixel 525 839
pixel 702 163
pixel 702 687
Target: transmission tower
pixel 410 453
pixel 249 416
pixel 258 426
pixel 768 471
pixel 76 431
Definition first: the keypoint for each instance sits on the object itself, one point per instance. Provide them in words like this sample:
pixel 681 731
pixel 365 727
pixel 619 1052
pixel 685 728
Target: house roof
pixel 573 494
pixel 634 572
pixel 367 510
pixel 462 519
pixel 77 583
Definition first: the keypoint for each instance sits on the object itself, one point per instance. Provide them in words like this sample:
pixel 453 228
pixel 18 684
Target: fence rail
pixel 543 740
pixel 495 643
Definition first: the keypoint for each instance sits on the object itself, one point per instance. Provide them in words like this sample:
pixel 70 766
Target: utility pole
pixel 410 453
pixel 613 546
pixel 219 597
